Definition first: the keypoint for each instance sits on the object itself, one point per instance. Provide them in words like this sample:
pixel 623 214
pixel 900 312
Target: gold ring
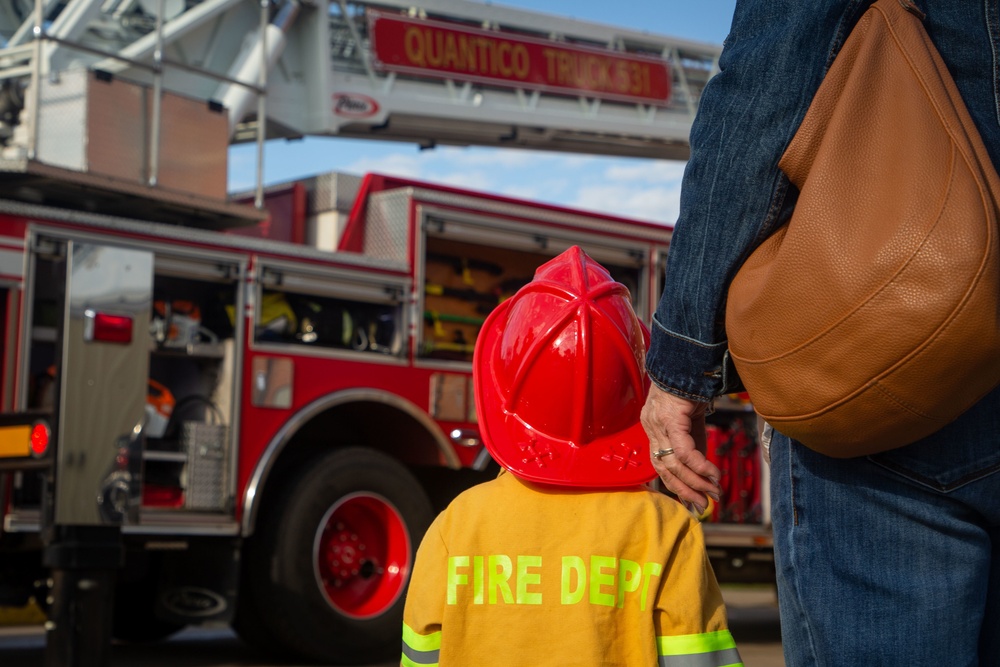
pixel 659 453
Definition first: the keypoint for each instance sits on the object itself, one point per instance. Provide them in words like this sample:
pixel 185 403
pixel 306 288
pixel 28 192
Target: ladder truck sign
pixel 423 47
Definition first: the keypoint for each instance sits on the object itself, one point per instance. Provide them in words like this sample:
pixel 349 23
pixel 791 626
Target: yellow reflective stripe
pixel 710 649
pixel 420 650
pixel 708 642
pixel 419 642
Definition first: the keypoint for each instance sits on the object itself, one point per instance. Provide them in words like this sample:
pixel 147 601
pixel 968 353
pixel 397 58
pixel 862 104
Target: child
pixel 566 558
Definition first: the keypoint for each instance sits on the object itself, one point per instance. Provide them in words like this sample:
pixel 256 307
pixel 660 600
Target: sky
pixel 635 188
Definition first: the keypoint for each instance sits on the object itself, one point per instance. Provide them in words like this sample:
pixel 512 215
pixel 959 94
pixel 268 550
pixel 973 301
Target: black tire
pixel 250 619
pixel 299 592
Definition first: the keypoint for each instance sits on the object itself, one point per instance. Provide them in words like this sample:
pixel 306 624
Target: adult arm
pixel 733 196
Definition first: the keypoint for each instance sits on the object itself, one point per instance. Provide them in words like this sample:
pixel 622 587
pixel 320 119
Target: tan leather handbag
pixel 871 319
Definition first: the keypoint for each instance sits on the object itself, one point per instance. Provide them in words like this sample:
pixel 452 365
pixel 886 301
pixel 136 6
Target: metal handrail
pixel 157 68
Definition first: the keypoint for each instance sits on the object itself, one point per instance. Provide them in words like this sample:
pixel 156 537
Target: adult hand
pixel 675 423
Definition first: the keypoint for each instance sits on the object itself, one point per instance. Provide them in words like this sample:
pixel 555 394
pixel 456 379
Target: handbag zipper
pixel 911 7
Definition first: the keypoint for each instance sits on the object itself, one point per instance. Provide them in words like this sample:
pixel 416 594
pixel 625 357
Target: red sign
pixel 434 48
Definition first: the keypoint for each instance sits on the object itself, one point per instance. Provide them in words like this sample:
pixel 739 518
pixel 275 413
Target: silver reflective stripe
pixel 421 657
pixel 723 658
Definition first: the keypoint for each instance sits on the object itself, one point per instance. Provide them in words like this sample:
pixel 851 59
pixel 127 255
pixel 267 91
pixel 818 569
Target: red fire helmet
pixel 560 379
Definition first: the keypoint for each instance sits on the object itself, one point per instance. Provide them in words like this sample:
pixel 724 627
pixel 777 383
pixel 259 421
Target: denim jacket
pixel 733 194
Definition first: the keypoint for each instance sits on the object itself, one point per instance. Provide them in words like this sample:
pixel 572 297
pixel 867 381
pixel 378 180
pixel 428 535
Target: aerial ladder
pixel 294 68
pixel 119 106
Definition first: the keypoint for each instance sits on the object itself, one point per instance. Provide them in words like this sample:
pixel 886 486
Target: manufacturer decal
pixel 194 602
pixel 354 105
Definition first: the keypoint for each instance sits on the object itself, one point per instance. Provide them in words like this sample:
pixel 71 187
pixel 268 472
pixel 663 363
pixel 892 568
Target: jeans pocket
pixel 963 452
pixel 942 466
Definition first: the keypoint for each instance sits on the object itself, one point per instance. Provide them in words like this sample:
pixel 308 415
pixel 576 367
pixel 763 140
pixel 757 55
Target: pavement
pixel 752 609
pixel 753 620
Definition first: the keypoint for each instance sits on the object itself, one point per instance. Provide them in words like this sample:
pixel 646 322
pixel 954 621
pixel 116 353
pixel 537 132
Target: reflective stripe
pixel 405 661
pixel 727 658
pixel 420 650
pixel 711 649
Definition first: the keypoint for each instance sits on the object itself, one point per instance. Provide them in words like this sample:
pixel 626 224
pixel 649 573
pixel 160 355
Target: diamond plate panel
pixel 332 192
pixel 207 465
pixel 387 225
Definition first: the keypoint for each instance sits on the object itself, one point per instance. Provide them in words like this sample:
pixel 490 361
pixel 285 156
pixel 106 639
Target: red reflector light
pixel 40 436
pixel 156 495
pixel 105 328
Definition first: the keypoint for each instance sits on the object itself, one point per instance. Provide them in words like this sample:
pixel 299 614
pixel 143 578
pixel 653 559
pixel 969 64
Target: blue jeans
pixel 892 559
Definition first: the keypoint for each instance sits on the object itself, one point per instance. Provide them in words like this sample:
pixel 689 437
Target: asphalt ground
pixel 753 618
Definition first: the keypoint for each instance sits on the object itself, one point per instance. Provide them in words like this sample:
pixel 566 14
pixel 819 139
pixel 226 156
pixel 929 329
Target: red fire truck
pixel 302 412
pixel 247 409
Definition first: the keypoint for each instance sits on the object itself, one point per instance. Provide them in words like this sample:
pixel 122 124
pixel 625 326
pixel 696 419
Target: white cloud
pixel 633 188
pixel 394 164
pixel 649 171
pixel 644 189
pixel 657 203
pixel 446 159
pixel 467 180
pixel 479 157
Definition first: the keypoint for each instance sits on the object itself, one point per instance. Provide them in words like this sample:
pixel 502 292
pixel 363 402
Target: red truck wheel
pixel 362 555
pixel 325 576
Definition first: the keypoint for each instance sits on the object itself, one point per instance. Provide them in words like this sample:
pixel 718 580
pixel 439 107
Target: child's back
pixel 582 565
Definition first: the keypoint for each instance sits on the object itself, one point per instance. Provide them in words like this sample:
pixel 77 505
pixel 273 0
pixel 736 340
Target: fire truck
pixel 246 409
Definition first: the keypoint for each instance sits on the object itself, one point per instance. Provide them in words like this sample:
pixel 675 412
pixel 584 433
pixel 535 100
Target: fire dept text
pixel 499 578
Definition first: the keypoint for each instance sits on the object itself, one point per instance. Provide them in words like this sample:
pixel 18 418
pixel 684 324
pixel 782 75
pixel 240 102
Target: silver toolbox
pixel 207 465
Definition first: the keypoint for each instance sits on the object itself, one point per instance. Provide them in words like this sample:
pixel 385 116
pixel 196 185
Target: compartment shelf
pixel 164 456
pixel 194 350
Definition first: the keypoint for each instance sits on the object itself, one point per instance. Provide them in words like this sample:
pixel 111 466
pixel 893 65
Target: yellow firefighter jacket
pixel 516 574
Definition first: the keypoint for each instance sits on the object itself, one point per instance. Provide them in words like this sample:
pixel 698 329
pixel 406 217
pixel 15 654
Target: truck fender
pixel 285 435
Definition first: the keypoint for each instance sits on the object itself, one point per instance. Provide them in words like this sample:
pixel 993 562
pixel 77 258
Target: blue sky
pixel 643 189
